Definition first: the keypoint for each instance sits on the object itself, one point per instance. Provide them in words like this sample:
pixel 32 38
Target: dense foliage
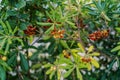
pixel 59 39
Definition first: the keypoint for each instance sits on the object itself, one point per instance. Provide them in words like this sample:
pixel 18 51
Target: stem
pixel 27 52
pixel 79 38
pixel 38 38
pixel 18 72
pixel 45 76
pixel 73 75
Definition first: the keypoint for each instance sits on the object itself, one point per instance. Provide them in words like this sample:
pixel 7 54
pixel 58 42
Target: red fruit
pixel 87 60
pixel 99 35
pixel 92 37
pixel 49 20
pixel 30 30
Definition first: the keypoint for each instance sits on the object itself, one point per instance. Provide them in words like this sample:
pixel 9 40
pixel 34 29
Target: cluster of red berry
pixel 80 23
pixel 99 35
pixel 66 54
pixel 86 59
pixel 30 30
pixel 57 33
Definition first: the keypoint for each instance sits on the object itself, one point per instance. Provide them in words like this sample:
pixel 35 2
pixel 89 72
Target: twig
pixel 79 38
pixel 36 40
pixel 73 75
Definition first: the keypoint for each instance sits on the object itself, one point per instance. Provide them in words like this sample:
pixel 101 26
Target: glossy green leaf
pixel 36 66
pixel 58 74
pixel 7 48
pixel 47 65
pixel 90 49
pixel 72 24
pixel 3 43
pixel 95 63
pixel 4 26
pixel 2 73
pixel 50 29
pixel 9 27
pixel 12 61
pixel 52 73
pixel 23 26
pixel 11 13
pixel 105 16
pixel 15 30
pixel 19 40
pixel 79 75
pixel 64 44
pixel 118 43
pixel 68 72
pixel 44 24
pixel 49 71
pixel 5 65
pixel 24 63
pixel 81 47
pixel 66 66
pixel 21 4
pixel 65 60
pixel 95 54
pixel 118 53
pixel 115 49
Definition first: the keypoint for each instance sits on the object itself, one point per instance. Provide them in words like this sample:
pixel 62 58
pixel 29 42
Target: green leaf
pixel 47 65
pixel 105 16
pixel 98 5
pixel 2 73
pixel 12 61
pixel 118 43
pixel 51 48
pixel 3 43
pixel 95 54
pixel 68 72
pixel 23 26
pixel 9 41
pixel 44 24
pixel 95 63
pixel 5 65
pixel 66 66
pixel 50 29
pixel 65 60
pixel 15 30
pixel 111 64
pixel 19 40
pixel 24 63
pixel 89 67
pixel 50 16
pixel 4 26
pixel 58 74
pixel 81 47
pixel 79 75
pixel 51 75
pixel 72 24
pixel 7 47
pixel 90 49
pixel 12 13
pixel 59 48
pixel 21 4
pixel 118 53
pixel 115 49
pixel 49 71
pixel 38 65
pixel 9 27
pixel 64 44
